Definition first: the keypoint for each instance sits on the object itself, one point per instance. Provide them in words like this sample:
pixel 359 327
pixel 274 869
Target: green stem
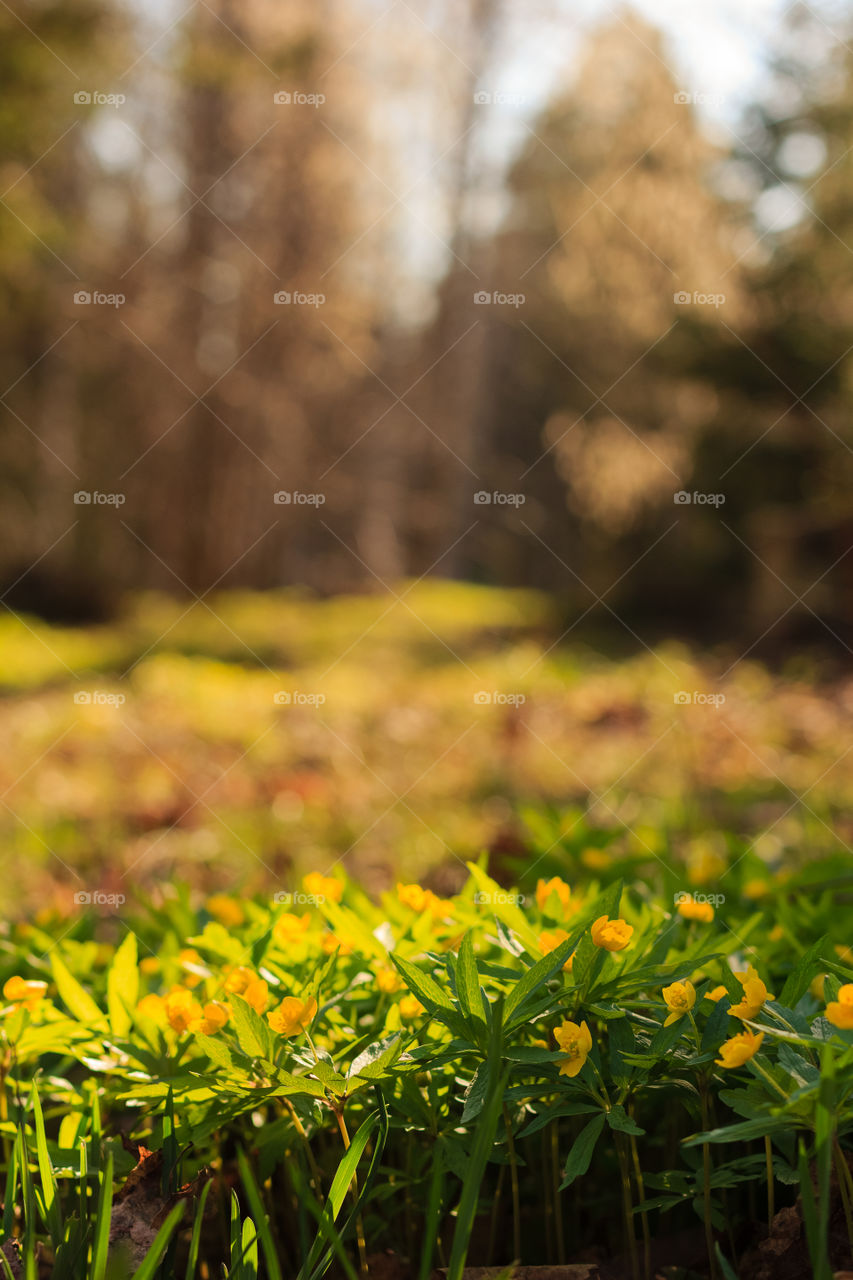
pixel 706 1185
pixel 845 1185
pixel 555 1185
pixel 627 1206
pixel 641 1192
pixel 359 1225
pixel 516 1199
pixel 771 1207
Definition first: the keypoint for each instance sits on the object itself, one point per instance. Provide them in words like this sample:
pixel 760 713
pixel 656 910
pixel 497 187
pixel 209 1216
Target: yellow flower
pixel 288 927
pixel 704 862
pixel 738 1050
pixel 182 1009
pixel 550 940
pixel 755 888
pixel 844 953
pixel 411 1007
pixel 596 859
pixel 679 998
pixel 612 935
pixel 226 910
pixel 754 995
pixel 692 910
pixel 187 957
pixel 292 1016
pixel 840 1011
pixel 320 886
pixel 244 982
pixel 418 899
pixel 154 1007
pixel 576 1042
pixel 238 979
pixel 716 994
pixel 214 1018
pixel 387 979
pixel 149 964
pixel 334 942
pixel 776 934
pixel 23 991
pixel 544 889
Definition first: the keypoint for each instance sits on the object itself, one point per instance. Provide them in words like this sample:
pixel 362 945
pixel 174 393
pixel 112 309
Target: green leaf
pixel 424 987
pixel 253 1034
pixel 52 1208
pixel 103 1218
pixel 580 1155
pixel 256 1205
pixel 482 1149
pixel 192 1259
pixel 468 980
pixel 373 1062
pixel 123 986
pixel 541 972
pixel 75 999
pixel 618 1119
pixel 797 982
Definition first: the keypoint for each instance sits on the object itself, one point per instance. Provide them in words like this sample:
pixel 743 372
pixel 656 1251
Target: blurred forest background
pixel 380 186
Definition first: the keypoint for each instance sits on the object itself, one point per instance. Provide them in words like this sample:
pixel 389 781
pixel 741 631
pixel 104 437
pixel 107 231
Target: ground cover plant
pixel 418 732
pixel 294 1085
